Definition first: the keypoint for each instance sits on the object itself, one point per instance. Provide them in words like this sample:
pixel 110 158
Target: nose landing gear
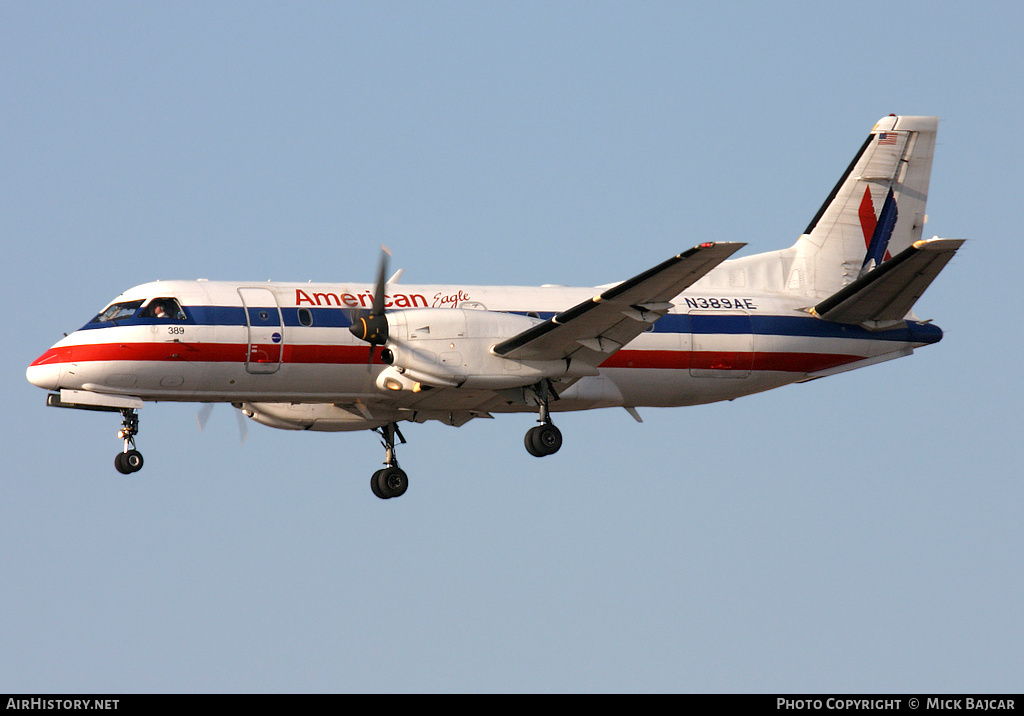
pixel 130 459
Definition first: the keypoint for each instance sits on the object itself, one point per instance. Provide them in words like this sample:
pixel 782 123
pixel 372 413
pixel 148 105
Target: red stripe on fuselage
pixel 188 352
pixel 213 353
pixel 789 362
pixel 54 355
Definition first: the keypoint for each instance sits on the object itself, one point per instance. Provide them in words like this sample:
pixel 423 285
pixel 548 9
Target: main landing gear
pixel 392 480
pixel 129 460
pixel 541 440
pixel 544 439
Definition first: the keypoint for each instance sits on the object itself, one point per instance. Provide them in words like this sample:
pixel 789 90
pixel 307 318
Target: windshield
pixel 118 311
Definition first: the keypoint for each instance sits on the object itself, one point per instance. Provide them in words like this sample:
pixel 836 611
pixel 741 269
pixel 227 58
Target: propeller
pixel 372 327
pixel 204 415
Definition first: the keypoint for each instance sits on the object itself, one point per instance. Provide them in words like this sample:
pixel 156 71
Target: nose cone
pixel 46 370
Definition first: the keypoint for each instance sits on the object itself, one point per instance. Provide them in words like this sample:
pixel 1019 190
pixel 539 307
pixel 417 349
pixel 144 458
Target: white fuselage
pixel 284 343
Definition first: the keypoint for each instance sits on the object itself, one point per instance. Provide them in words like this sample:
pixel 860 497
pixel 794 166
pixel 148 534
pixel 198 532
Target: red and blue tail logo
pixel 877 232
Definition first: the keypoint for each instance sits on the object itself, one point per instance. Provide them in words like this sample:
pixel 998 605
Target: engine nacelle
pixel 313 416
pixel 451 347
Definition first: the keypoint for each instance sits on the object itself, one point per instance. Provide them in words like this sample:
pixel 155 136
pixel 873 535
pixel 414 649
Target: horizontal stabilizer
pixel 593 330
pixel 885 295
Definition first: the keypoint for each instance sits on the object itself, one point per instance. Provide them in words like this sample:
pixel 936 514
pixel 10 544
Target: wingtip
pixel 938 244
pixel 726 247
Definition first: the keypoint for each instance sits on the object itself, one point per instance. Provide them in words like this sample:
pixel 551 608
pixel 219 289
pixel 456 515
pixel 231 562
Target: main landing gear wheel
pixel 392 480
pixel 543 440
pixel 389 482
pixel 128 460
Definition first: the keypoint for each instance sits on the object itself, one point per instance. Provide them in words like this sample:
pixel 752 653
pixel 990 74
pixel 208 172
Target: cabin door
pixel 266 330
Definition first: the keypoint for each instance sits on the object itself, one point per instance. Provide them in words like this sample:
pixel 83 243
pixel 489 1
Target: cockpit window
pixel 118 311
pixel 165 308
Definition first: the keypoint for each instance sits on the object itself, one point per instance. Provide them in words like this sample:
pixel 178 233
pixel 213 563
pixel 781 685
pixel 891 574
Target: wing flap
pixel 596 328
pixel 886 294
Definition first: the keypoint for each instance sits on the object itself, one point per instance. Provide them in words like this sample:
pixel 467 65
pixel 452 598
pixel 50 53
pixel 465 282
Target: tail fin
pixel 875 211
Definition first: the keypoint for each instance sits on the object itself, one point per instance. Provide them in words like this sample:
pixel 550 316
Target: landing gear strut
pixel 392 480
pixel 129 460
pixel 543 439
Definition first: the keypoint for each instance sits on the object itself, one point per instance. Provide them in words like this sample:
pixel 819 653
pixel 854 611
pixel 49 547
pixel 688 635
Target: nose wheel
pixel 129 460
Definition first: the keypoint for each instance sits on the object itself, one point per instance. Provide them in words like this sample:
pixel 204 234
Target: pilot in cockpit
pixel 166 308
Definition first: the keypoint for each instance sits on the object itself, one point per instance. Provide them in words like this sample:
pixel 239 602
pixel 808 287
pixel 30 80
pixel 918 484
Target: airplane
pixel 696 328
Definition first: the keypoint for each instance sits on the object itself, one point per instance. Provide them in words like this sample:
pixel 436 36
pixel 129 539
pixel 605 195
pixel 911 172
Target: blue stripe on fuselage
pixel 233 316
pixel 797 326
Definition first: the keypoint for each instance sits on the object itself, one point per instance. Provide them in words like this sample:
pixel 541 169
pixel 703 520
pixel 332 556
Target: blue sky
pixel 860 533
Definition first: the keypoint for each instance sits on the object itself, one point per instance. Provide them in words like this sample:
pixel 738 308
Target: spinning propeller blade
pixel 203 416
pixel 243 425
pixel 372 327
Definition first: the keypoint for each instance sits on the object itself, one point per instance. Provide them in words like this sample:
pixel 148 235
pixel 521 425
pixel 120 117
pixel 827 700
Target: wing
pixel 886 294
pixel 596 328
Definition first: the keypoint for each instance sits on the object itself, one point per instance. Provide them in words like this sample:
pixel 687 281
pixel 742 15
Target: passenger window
pixel 167 309
pixel 305 317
